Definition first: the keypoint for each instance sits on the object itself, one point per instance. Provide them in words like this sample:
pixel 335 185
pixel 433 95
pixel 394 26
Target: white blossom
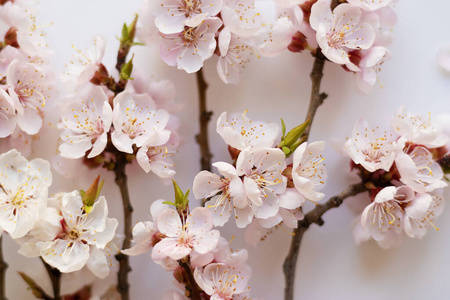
pixel 82 236
pixel 181 238
pixel 240 132
pixel 85 122
pixel 371 148
pixel 23 192
pixel 137 121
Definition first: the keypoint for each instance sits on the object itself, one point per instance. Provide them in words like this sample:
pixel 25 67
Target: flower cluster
pixel 137 120
pixel 183 242
pixel 262 188
pixel 401 168
pixel 355 35
pixel 66 231
pixel 192 31
pixel 26 81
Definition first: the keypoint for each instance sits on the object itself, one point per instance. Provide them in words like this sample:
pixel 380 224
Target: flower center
pixel 74 234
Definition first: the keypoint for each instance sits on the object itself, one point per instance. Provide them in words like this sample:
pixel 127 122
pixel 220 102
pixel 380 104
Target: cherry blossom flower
pixel 20 16
pixel 274 38
pixel 189 49
pixel 30 89
pixel 383 21
pixel 370 5
pixel 370 64
pixel 340 31
pixel 419 171
pixel 241 17
pixel 8 119
pixel 384 216
pixel 183 237
pixel 371 148
pixel 82 236
pixel 308 170
pixel 240 132
pixel 158 159
pixel 261 172
pixel 23 192
pixel 225 195
pixel 137 121
pixel 418 129
pixel 84 64
pixel 234 55
pixel 223 282
pixel 144 232
pixel 85 122
pixel 174 15
pixel 289 214
pixel 418 221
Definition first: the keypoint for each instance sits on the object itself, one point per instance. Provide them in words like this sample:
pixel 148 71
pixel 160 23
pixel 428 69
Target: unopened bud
pixel 298 43
pixel 306 8
pixel 180 275
pixel 11 38
pixel 91 194
pixel 100 75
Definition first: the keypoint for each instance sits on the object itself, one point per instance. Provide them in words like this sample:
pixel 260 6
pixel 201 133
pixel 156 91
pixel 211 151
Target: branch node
pixel 320 222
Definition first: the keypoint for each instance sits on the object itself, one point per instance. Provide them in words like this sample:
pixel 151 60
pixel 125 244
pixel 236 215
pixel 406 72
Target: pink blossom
pixel 340 31
pixel 190 48
pixel 182 237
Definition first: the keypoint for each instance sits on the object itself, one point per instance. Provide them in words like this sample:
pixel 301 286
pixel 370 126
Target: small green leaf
pixel 181 199
pixel 125 34
pixel 125 72
pixel 286 150
pixel 283 129
pixel 293 135
pixel 169 203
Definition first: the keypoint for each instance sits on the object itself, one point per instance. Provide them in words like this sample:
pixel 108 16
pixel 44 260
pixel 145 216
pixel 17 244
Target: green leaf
pixel 283 129
pixel 125 72
pixel 125 35
pixel 169 203
pixel 293 135
pixel 181 199
pixel 179 195
pixel 286 150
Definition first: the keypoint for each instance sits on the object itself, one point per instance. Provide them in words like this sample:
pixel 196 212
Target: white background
pixel 330 265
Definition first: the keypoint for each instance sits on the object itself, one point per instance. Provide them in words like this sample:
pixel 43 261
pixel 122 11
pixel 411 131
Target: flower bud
pixel 298 43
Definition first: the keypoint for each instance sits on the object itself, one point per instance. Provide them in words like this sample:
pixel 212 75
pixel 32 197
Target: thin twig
pixel 55 277
pixel 316 99
pixel 192 287
pixel 314 216
pixel 204 117
pixel 3 267
pixel 123 285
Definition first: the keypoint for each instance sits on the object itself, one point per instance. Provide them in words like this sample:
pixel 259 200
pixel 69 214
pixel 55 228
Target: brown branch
pixel 123 285
pixel 191 286
pixel 55 277
pixel 314 216
pixel 204 117
pixel 316 99
pixel 3 267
